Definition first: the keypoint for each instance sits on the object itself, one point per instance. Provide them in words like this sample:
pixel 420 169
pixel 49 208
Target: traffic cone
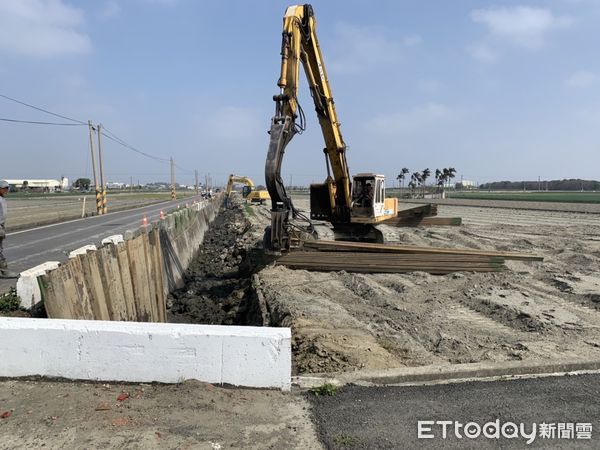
pixel 144 221
pixel 162 215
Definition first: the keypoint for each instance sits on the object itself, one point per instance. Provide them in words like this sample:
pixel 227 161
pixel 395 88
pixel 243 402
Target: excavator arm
pixel 236 179
pixel 300 46
pixel 233 179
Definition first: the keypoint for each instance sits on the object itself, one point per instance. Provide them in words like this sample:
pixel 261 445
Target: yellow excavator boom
pixel 332 200
pixel 249 193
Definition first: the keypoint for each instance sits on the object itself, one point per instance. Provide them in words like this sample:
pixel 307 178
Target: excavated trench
pixel 218 284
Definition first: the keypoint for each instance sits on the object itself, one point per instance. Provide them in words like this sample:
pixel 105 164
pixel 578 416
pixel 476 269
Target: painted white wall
pixel 144 352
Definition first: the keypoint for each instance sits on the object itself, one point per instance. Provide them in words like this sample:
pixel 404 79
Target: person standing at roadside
pixel 4 272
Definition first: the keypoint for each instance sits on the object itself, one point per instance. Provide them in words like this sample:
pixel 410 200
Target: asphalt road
pixel 387 417
pixel 28 248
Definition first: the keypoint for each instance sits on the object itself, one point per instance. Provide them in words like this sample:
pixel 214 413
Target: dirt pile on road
pixel 218 289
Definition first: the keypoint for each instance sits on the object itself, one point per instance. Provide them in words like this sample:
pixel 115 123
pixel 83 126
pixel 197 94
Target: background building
pixel 37 185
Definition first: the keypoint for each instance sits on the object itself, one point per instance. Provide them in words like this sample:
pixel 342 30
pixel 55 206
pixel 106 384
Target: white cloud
pixel 41 28
pixel 581 79
pixel 402 122
pixel 358 48
pixel 522 25
pixel 482 53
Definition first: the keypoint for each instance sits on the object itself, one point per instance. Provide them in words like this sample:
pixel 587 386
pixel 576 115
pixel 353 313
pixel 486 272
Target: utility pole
pixel 131 185
pixel 97 190
pixel 539 184
pixel 197 189
pixel 173 193
pixel 101 163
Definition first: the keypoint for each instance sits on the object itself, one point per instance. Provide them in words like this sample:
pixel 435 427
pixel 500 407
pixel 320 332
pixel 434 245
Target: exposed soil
pixel 189 415
pixel 344 322
pixel 218 286
pixel 533 311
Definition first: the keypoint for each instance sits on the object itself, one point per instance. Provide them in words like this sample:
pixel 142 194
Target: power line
pixel 42 110
pixel 107 134
pixel 184 170
pixel 41 123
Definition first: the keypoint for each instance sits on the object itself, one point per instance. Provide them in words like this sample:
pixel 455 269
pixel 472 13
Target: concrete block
pixel 28 289
pixel 82 250
pixel 114 239
pixel 145 352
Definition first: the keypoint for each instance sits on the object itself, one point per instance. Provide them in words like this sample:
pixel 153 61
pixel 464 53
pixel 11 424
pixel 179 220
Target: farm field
pixel 563 197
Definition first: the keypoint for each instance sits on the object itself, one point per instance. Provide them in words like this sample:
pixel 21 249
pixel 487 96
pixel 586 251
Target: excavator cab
pixel 368 196
pixel 246 190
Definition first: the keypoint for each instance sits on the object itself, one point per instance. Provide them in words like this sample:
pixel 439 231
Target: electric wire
pixel 35 122
pixel 105 132
pixel 113 137
pixel 42 109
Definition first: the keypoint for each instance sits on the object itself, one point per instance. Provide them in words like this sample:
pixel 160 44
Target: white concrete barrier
pixel 145 352
pixel 28 289
pixel 114 239
pixel 82 250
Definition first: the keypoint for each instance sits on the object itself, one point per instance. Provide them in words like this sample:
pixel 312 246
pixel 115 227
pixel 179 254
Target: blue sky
pixel 499 90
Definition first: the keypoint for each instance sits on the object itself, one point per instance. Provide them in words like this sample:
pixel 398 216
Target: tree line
pixel 573 184
pixel 419 179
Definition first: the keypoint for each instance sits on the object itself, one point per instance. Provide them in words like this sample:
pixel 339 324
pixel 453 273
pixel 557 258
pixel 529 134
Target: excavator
pixel 249 191
pixel 353 206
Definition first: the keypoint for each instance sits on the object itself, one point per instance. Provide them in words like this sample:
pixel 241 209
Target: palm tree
pixel 451 172
pixel 400 179
pixel 424 175
pixel 416 179
pixel 402 175
pixel 439 179
pixel 446 175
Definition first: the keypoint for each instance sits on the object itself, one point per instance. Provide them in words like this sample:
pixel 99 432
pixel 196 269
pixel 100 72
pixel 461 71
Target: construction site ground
pixel 532 312
pixel 341 322
pixel 191 415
